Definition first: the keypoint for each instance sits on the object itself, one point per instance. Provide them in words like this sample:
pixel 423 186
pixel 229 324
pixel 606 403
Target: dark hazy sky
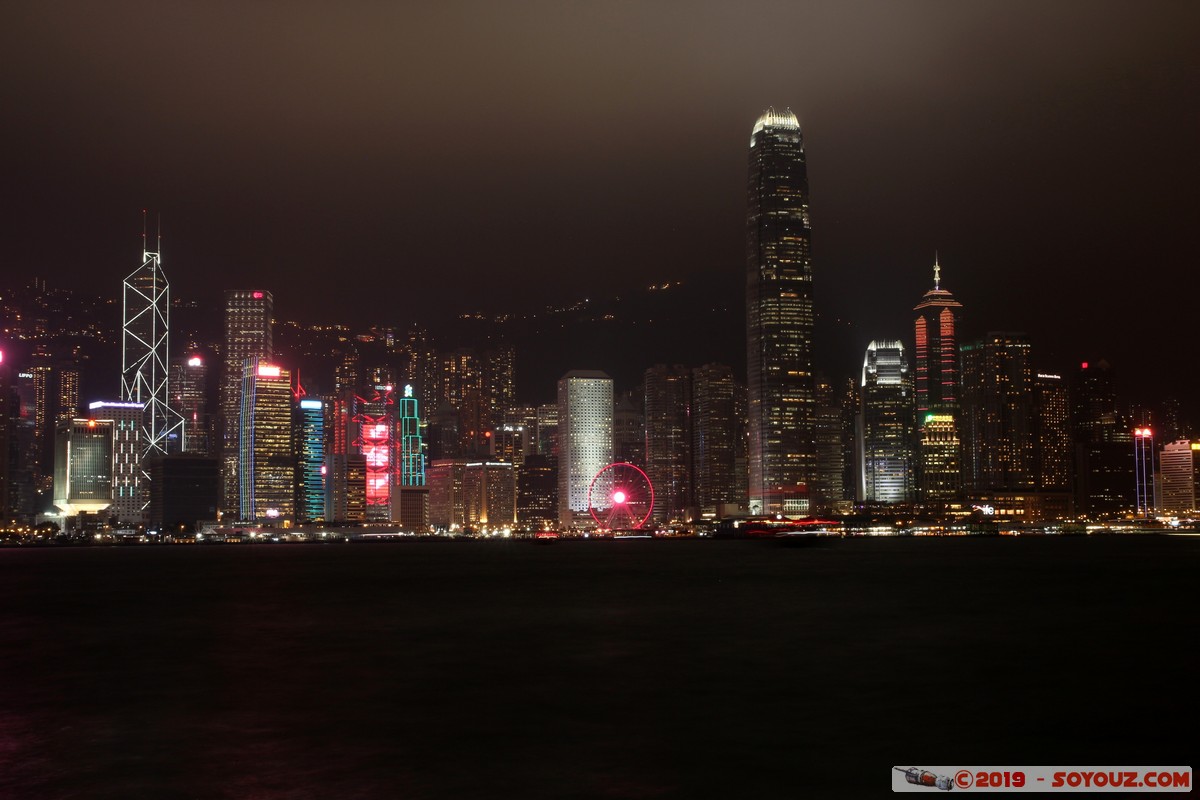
pixel 380 155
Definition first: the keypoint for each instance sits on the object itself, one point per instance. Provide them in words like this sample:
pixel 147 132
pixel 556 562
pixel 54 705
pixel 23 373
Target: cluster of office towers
pixel 946 422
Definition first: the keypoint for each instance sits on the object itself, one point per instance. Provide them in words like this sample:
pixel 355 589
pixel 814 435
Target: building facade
pixel 189 398
pixel 714 439
pixel 83 476
pixel 779 318
pixel 130 472
pixel 266 463
pixel 309 447
pixel 585 411
pixel 1053 452
pixel 997 427
pixel 248 314
pixel 936 360
pixel 668 421
pixel 1179 465
pixel 886 426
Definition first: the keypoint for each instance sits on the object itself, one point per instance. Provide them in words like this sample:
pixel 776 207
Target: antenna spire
pixel 143 231
pixel 937 272
pixel 158 243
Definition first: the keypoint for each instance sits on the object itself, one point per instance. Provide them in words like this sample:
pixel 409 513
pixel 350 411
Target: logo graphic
pixel 922 777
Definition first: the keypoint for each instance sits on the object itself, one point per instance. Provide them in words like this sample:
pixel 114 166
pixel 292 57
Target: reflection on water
pixel 588 669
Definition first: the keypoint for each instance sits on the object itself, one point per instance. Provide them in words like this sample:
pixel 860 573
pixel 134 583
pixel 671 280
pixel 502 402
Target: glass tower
pixel 779 318
pixel 310 461
pixel 887 424
pixel 144 354
pixel 247 336
pixel 266 468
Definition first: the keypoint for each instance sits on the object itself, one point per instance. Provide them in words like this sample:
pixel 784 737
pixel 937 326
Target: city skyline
pixel 287 164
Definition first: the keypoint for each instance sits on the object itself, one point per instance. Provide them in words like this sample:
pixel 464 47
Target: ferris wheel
pixel 621 497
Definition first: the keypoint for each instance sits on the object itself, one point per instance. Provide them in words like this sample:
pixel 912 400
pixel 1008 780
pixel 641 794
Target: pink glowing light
pixel 268 371
pixel 618 497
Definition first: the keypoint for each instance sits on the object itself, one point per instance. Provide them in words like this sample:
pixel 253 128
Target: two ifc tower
pixel 145 327
pixel 779 336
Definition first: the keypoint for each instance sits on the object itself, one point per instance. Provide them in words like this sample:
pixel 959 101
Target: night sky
pixel 363 160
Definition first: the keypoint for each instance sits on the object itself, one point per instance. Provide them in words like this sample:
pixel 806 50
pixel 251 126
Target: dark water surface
pixel 637 669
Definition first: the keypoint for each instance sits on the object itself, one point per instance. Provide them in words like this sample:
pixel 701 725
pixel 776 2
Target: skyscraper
pixel 145 350
pixel 8 407
pixel 1105 472
pixel 129 496
pixel 267 467
pixel 410 504
pixel 997 413
pixel 1179 464
pixel 585 410
pixel 412 451
pixel 310 460
pixel 669 440
pixel 827 489
pixel 779 318
pixel 629 428
pixel 374 422
pixel 1053 451
pixel 714 434
pixel 937 382
pixel 886 438
pixel 50 396
pixel 189 397
pixel 362 448
pixel 247 335
pixel 83 466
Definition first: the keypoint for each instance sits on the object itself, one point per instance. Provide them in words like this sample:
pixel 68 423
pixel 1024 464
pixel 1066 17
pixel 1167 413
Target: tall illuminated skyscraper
pixel 937 378
pixel 145 350
pixel 362 455
pixel 247 336
pixel 410 501
pixel 266 465
pixel 1053 450
pixel 412 451
pixel 310 460
pixel 886 438
pixel 189 393
pixel 779 318
pixel 585 412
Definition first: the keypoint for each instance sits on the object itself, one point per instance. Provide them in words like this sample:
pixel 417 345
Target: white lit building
pixel 129 495
pixel 1177 466
pixel 585 444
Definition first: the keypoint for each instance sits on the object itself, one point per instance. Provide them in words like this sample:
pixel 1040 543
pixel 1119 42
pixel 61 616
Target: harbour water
pixel 614 669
